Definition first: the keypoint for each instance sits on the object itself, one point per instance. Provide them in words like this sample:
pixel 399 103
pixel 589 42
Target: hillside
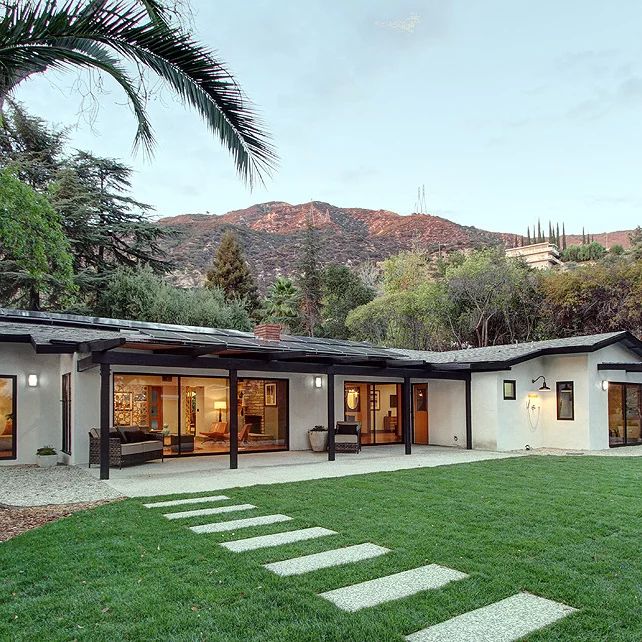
pixel 272 233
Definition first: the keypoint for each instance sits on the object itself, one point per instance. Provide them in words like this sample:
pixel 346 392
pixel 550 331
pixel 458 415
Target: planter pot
pixel 318 440
pixel 46 461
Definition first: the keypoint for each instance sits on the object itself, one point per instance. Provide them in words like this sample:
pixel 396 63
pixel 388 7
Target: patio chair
pixel 347 437
pixel 218 432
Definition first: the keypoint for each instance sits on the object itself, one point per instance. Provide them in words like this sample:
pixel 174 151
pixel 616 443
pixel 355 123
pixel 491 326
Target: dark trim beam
pixel 469 415
pixel 234 420
pixel 628 367
pixel 407 415
pixel 331 418
pixel 105 376
pixel 221 363
pixel 100 345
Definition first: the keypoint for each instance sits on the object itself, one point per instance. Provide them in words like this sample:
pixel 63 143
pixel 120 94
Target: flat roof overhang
pixel 274 361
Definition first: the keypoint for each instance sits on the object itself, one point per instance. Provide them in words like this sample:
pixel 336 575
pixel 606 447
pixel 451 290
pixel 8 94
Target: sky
pixel 505 111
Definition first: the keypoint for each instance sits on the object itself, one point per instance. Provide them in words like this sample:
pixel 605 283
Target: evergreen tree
pixel 309 281
pixel 343 291
pixel 540 238
pixel 563 236
pixel 583 237
pixel 528 235
pixel 107 228
pixel 635 238
pixel 557 234
pixel 231 273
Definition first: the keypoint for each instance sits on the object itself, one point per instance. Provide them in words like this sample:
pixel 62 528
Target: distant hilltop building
pixel 538 255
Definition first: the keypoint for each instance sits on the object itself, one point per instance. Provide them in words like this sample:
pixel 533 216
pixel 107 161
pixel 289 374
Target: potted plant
pixel 318 438
pixel 47 456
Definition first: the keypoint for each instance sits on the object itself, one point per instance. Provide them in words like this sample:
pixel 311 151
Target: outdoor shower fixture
pixel 543 387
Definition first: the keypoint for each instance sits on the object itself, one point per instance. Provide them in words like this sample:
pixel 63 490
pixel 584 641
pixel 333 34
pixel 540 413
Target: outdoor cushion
pixel 134 436
pixel 117 435
pixel 345 439
pixel 151 446
pixel 131 449
pixel 94 433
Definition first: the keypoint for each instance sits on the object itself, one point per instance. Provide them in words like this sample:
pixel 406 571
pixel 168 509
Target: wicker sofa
pixel 126 447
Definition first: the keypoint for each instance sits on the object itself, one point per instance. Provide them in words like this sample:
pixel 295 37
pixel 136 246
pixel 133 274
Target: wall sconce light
pixel 531 403
pixel 318 381
pixel 605 385
pixel 220 406
pixel 543 387
pixel 32 380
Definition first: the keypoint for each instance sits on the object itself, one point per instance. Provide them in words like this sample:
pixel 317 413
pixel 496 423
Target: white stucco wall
pixel 38 409
pixel 446 413
pixel 508 425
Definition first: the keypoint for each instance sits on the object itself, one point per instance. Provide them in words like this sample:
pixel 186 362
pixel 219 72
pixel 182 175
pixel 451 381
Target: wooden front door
pixel 420 409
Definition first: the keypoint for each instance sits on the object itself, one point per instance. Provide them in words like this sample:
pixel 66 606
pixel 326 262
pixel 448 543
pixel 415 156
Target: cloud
pixel 405 25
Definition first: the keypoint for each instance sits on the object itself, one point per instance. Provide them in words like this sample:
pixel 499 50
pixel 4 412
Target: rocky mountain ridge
pixel 272 234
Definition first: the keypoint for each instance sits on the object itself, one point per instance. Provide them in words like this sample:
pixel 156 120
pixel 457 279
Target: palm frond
pixel 100 33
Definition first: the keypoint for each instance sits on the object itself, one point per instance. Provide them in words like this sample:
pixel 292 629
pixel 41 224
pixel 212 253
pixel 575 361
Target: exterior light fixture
pixel 32 380
pixel 220 406
pixel 543 387
pixel 605 385
pixel 318 381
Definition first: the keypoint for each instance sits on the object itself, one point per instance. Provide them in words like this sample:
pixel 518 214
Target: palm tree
pixel 282 304
pixel 36 36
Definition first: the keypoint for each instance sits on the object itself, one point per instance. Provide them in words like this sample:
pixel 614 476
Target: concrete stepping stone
pixel 504 621
pixel 265 541
pixel 392 587
pixel 191 500
pixel 220 527
pixel 335 557
pixel 209 511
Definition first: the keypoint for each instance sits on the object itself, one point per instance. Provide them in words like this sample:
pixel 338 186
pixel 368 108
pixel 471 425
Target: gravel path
pixel 34 486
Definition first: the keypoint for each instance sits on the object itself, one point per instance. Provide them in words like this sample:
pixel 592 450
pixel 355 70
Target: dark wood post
pixel 469 414
pixel 331 422
pixel 105 372
pixel 234 420
pixel 406 415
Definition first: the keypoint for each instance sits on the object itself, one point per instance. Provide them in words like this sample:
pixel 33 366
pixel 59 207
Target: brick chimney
pixel 268 331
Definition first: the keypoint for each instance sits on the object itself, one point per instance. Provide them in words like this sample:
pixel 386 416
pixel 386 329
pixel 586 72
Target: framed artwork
pixel 123 418
pixel 510 389
pixel 393 401
pixel 270 394
pixel 122 401
pixel 565 401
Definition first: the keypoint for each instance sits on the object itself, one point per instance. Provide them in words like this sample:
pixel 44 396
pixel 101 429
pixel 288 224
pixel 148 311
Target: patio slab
pixel 392 587
pixel 276 539
pixel 504 621
pixel 212 473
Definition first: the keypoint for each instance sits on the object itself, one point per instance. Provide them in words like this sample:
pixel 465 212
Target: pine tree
pixel 309 281
pixel 231 273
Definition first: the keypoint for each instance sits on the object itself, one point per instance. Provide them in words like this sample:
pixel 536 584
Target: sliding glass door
pixel 376 406
pixel 625 414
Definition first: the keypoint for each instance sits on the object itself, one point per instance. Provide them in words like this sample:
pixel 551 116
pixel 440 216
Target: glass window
pixel 7 417
pixel 377 408
pixel 205 424
pixel 565 401
pixel 263 414
pixel 510 389
pixel 148 403
pixel 66 413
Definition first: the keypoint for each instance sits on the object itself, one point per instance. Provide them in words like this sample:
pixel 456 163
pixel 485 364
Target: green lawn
pixel 569 529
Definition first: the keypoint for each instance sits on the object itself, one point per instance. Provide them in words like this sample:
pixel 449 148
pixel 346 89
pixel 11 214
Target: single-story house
pixel 197 391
